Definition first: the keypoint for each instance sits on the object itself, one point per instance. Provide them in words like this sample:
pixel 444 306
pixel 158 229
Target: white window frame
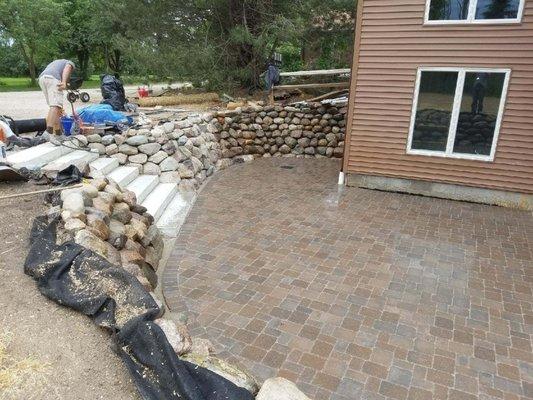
pixel 471 18
pixel 448 153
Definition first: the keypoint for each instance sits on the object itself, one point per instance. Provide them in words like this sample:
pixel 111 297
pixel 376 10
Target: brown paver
pixel 354 293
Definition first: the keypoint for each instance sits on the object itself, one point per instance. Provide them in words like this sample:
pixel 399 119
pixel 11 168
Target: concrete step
pixel 174 216
pixel 38 156
pixel 143 185
pixel 79 158
pixel 123 176
pixel 157 201
pixel 102 167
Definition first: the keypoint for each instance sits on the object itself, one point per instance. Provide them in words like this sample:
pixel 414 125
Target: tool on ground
pixel 58 189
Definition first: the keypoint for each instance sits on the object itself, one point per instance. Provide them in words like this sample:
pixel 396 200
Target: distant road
pixel 26 105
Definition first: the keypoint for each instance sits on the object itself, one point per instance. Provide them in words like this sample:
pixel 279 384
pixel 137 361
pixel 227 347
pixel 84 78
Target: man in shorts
pixel 53 81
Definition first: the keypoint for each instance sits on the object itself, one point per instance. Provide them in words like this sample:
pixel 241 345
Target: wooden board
pixel 314 86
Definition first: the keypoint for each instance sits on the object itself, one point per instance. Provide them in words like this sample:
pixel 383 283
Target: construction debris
pixel 179 99
pixel 8 174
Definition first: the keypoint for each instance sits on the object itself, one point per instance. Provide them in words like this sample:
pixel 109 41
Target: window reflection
pixel 448 10
pixel 497 9
pixel 479 111
pixel 434 110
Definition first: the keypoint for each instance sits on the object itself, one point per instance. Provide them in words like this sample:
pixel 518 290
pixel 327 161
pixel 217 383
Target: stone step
pixel 38 156
pixel 174 216
pixel 102 167
pixel 78 158
pixel 123 176
pixel 159 199
pixel 143 185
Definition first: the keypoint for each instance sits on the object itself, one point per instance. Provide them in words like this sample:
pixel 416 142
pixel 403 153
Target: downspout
pixel 351 96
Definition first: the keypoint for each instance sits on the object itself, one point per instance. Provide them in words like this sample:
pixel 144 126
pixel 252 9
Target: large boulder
pixel 137 140
pixel 151 169
pixel 150 148
pixel 177 335
pixel 158 157
pixel 280 389
pixel 127 150
pixel 169 164
pixel 186 170
pixel 92 242
pixel 224 369
pixel 122 213
pixel 138 158
pixel 74 203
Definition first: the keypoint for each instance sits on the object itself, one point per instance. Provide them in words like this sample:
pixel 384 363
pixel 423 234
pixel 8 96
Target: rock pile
pixel 314 130
pixel 107 220
pixel 184 151
pixel 473 136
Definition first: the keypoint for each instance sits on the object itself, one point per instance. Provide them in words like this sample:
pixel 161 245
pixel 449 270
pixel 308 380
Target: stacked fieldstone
pixel 107 220
pixel 184 152
pixel 311 130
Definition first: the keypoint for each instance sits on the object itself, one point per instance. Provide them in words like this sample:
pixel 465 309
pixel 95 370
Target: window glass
pixel 448 10
pixel 497 9
pixel 434 110
pixel 480 105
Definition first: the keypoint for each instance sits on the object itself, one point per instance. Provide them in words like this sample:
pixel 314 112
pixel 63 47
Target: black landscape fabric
pixel 74 276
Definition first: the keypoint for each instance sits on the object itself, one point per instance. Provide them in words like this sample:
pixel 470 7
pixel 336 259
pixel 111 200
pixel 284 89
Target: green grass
pixel 8 84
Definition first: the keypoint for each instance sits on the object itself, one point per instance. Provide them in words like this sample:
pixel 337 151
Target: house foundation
pixel 442 190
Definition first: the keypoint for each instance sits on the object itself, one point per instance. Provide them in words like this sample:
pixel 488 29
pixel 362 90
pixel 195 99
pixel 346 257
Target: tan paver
pixel 354 293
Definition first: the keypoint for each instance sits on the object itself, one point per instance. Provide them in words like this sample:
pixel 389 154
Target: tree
pixel 500 9
pixel 37 28
pixel 11 61
pixel 328 33
pixel 85 37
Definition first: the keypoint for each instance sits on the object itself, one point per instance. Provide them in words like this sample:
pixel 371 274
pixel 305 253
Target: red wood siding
pixel 393 43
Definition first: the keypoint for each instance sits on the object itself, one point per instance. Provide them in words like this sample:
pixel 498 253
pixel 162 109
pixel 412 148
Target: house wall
pixel 391 43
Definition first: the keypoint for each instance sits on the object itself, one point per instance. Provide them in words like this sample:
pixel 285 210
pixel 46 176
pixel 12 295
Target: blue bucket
pixel 67 124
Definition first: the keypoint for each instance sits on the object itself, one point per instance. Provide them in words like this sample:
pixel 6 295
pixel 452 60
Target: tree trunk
pixel 83 63
pixel 33 72
pixel 113 60
pixel 30 60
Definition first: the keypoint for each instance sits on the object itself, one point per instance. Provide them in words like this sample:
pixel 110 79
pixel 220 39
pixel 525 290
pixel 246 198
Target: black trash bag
pixel 68 176
pixel 113 92
pixel 76 277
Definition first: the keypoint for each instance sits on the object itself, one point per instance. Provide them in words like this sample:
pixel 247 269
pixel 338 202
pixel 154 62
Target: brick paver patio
pixel 357 294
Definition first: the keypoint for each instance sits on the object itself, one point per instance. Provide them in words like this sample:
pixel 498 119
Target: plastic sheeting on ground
pixel 74 276
pixel 103 114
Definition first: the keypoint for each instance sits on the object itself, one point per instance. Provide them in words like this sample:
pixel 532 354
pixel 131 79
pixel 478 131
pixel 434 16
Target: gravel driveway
pixel 25 105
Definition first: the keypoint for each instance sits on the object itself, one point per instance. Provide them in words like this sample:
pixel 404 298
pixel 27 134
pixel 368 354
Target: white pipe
pixel 341 178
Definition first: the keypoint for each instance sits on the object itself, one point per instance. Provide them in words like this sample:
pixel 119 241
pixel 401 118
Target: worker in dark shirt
pixel 479 92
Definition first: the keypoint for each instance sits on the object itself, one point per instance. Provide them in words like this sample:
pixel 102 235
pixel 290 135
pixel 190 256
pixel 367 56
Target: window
pixel 457 112
pixel 473 11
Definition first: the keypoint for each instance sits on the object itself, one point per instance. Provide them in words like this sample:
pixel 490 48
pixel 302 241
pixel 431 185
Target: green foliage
pixel 36 26
pixel 219 44
pixel 11 61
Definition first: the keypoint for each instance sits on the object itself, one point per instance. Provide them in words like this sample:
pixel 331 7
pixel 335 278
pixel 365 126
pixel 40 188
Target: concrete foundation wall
pixel 443 190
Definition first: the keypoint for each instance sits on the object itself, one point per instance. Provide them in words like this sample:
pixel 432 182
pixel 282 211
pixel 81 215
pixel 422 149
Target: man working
pixel 53 81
